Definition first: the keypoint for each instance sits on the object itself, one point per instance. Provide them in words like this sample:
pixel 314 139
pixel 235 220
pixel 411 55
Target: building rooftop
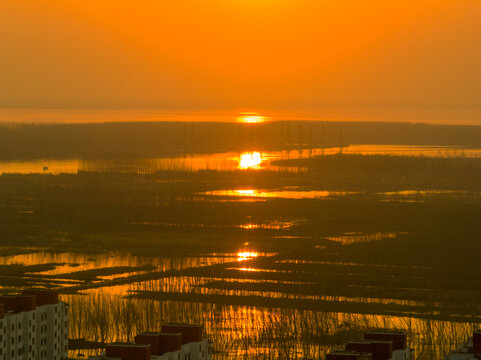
pixel 376 345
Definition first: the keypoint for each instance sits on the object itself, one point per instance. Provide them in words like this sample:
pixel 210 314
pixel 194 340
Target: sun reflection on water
pixel 249 226
pixel 250 160
pixel 281 194
pixel 246 255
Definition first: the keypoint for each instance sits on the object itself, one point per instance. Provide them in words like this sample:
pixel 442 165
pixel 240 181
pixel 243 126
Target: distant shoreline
pixel 99 116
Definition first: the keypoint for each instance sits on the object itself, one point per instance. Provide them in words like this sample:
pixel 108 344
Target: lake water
pixel 100 312
pixel 247 160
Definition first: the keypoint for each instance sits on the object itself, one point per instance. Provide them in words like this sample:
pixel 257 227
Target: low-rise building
pixel 128 351
pixel 33 326
pixel 375 346
pixel 164 346
pixel 193 344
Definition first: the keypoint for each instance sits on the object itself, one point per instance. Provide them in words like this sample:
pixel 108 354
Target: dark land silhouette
pixel 157 139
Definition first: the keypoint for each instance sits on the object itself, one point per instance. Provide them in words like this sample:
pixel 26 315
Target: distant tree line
pixel 157 139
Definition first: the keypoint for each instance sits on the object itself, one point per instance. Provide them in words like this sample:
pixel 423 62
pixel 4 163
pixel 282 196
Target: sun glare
pixel 246 255
pixel 245 193
pixel 250 160
pixel 251 118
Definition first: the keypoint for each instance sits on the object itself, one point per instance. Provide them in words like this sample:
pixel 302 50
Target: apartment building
pixel 33 326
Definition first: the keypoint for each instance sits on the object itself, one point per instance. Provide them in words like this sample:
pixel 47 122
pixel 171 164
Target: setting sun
pixel 251 118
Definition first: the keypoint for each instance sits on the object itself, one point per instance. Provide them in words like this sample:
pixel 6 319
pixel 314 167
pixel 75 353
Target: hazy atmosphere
pixel 240 179
pixel 409 60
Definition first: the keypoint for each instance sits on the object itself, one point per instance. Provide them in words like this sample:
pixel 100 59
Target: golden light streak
pixel 246 255
pixel 251 118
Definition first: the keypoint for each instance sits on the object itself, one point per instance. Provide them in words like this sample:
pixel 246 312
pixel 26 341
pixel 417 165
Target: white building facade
pixel 33 326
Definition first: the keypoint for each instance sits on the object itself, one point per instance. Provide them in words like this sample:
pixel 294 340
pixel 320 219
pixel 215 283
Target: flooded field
pixel 275 264
pixel 252 304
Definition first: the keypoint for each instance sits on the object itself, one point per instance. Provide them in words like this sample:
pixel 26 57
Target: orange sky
pixel 328 58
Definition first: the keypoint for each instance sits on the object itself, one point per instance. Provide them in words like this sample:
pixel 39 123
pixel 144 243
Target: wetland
pixel 279 253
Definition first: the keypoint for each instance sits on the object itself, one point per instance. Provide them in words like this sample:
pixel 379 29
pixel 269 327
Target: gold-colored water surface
pixel 246 255
pixel 282 194
pixel 250 161
pixel 250 332
pixel 227 161
pixel 101 313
